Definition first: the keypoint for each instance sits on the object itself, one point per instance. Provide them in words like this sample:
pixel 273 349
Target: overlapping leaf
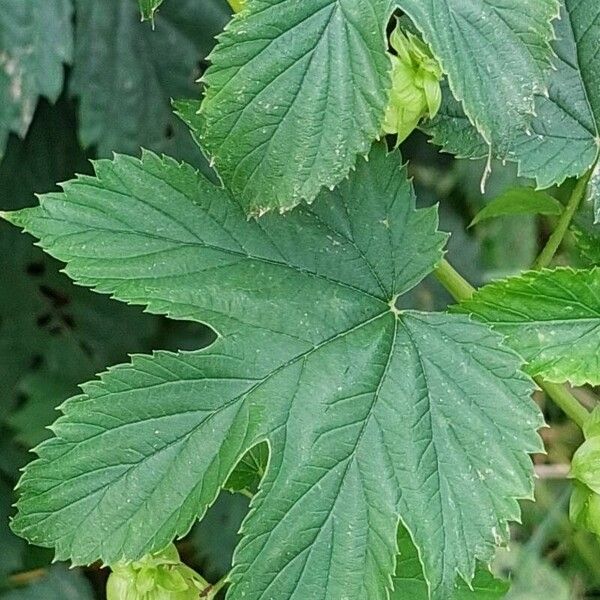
pixel 495 54
pixel 370 414
pixel 551 318
pixel 295 91
pixel 563 138
pixel 36 40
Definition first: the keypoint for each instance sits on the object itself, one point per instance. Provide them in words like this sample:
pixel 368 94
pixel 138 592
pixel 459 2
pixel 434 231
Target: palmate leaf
pixel 36 40
pixel 370 414
pixel 295 91
pixel 551 318
pixel 563 139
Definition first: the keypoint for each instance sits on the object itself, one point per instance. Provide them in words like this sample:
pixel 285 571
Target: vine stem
pixel 210 592
pixel 557 236
pixel 561 396
pixel 461 290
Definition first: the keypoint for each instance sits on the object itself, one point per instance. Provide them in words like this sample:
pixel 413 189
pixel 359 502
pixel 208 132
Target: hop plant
pixel 160 576
pixel 416 92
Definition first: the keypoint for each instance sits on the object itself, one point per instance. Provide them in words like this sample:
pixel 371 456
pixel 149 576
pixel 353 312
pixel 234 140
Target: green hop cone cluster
pixel 416 92
pixel 160 576
pixel 584 509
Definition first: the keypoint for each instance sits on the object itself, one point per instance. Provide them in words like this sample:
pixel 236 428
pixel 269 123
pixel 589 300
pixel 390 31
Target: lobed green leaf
pixel 371 415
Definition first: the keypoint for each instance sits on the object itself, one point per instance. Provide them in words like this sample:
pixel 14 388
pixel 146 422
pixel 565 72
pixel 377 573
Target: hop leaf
pixel 160 576
pixel 416 92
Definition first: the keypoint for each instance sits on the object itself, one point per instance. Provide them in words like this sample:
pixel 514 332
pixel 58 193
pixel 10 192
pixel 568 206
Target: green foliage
pixel 307 422
pixel 550 317
pixel 125 73
pixel 409 581
pixel 347 342
pixel 495 54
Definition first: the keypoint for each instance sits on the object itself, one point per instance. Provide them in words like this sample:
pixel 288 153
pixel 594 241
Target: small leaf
pixel 296 91
pixel 371 414
pixel 551 318
pixel 519 201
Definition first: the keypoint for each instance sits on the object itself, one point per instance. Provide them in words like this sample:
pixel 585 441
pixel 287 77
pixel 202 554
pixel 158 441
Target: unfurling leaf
pixel 158 576
pixel 416 91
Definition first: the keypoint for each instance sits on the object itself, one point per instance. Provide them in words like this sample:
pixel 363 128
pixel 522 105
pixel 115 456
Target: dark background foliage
pixel 113 94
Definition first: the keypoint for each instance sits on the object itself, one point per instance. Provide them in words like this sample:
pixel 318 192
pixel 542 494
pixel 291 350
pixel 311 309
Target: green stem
pixel 211 592
pixel 462 290
pixel 555 240
pixel 453 281
pixel 565 400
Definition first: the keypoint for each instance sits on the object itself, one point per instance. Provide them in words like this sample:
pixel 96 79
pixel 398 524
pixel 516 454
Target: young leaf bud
pixel 160 576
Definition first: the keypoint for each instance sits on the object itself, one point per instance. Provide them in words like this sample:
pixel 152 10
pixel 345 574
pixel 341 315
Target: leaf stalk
pixel 557 236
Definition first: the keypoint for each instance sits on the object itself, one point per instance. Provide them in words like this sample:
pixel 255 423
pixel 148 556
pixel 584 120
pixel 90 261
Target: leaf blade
pixel 519 201
pixel 551 318
pixel 294 95
pixel 312 357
